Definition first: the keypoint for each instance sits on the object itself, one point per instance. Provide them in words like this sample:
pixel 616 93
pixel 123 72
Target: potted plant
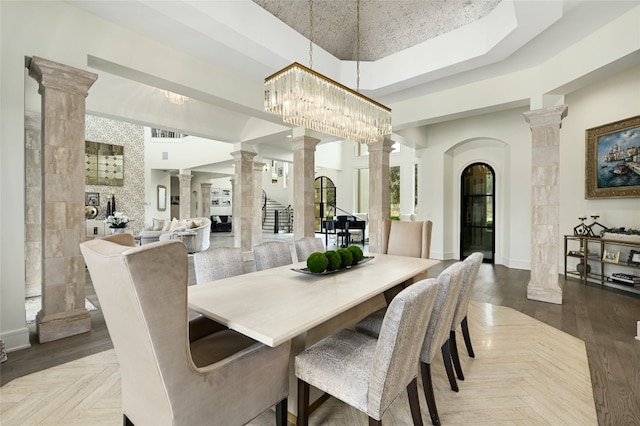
pixel 622 234
pixel 117 222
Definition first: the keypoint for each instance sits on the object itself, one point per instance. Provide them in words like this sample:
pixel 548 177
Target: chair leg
pixel 303 403
pixel 126 421
pixel 467 337
pixel 446 357
pixel 453 345
pixel 414 402
pixel 281 413
pixel 425 369
pixel 374 422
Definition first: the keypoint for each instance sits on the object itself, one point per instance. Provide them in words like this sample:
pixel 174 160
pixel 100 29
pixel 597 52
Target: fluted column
pixel 379 207
pixel 185 195
pixel 545 198
pixel 63 90
pixel 304 148
pixel 242 199
pixel 258 170
pixel 205 199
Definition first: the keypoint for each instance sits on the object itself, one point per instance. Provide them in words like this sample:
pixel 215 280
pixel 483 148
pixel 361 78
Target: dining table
pixel 285 303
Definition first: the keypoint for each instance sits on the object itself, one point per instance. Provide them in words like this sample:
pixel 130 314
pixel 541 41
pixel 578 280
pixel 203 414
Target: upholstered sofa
pixel 163 229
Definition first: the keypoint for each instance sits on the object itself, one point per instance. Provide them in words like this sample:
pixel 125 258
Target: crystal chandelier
pixel 308 99
pixel 175 98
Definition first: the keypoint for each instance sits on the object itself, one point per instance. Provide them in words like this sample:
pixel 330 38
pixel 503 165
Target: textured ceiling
pixel 386 26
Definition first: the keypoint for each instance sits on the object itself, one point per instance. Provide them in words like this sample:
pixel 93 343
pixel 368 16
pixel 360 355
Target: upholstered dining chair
pixel 366 372
pixel 412 239
pixel 218 263
pixel 271 254
pixel 471 267
pixel 437 334
pixel 176 372
pixel 307 245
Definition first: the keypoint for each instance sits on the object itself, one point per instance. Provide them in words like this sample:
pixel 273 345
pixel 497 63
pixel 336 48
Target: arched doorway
pixel 325 200
pixel 477 207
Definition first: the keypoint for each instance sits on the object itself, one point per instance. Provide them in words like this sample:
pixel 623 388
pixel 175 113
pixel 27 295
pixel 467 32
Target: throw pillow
pixel 175 224
pixel 158 224
pixel 216 219
pixel 196 223
pixel 167 225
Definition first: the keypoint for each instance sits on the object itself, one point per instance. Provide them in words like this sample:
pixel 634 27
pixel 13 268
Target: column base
pixel 65 324
pixel 544 293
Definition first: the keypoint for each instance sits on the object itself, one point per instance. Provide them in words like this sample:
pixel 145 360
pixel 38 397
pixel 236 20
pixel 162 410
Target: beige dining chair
pixel 271 254
pixel 307 245
pixel 367 372
pixel 437 333
pixel 176 372
pixel 471 267
pixel 411 239
pixel 218 263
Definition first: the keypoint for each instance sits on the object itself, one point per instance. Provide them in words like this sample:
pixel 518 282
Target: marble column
pixel 304 148
pixel 33 204
pixel 185 195
pixel 242 203
pixel 205 199
pixel 379 202
pixel 63 90
pixel 258 170
pixel 545 198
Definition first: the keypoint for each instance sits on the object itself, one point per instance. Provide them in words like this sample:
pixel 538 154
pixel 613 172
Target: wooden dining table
pixel 279 304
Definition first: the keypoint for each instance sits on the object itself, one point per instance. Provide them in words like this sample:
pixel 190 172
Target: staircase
pixel 269 222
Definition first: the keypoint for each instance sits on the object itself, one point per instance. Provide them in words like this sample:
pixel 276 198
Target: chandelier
pixel 175 98
pixel 306 98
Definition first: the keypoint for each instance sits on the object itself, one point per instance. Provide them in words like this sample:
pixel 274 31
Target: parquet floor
pixel 525 372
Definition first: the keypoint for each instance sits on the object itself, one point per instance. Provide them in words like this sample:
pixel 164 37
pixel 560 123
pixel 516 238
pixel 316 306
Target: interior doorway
pixel 325 200
pixel 477 207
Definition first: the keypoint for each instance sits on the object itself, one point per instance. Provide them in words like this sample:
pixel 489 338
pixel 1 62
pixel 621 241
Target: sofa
pixel 221 223
pixel 164 229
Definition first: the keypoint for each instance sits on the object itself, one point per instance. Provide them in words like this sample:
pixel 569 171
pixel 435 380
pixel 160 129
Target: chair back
pixel 272 254
pixel 471 267
pixel 143 295
pixel 307 245
pixel 443 309
pixel 218 263
pixel 399 343
pixel 411 239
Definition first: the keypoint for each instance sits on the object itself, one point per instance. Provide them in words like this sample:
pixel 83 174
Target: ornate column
pixel 242 200
pixel 258 170
pixel 304 148
pixel 63 90
pixel 205 199
pixel 379 207
pixel 545 198
pixel 185 195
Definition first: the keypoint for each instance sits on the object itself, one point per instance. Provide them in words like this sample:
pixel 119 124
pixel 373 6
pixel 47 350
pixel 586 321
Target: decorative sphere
pixel 317 262
pixel 357 253
pixel 346 258
pixel 334 260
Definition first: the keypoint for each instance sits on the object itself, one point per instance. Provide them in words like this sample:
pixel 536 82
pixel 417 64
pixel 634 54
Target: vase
pixel 117 230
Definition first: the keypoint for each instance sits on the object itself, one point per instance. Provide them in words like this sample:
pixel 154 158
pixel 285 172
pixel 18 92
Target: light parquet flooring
pixel 525 373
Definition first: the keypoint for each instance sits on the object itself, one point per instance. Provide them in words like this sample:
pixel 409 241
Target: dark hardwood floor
pixel 604 319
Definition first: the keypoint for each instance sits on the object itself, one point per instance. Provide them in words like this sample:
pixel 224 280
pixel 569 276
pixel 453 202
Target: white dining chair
pixel 271 254
pixel 218 263
pixel 307 245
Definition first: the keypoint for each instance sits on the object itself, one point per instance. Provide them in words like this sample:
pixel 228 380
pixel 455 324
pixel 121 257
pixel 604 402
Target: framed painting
pixel 91 199
pixel 612 166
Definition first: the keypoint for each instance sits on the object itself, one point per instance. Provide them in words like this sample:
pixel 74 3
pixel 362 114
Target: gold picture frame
pixel 612 168
pixel 611 256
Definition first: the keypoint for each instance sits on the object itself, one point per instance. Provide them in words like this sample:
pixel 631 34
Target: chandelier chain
pixel 358 45
pixel 310 34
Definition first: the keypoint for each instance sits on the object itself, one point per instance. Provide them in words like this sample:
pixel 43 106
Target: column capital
pixel 304 143
pixel 546 116
pixel 61 77
pixel 205 185
pixel 381 145
pixel 186 178
pixel 243 155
